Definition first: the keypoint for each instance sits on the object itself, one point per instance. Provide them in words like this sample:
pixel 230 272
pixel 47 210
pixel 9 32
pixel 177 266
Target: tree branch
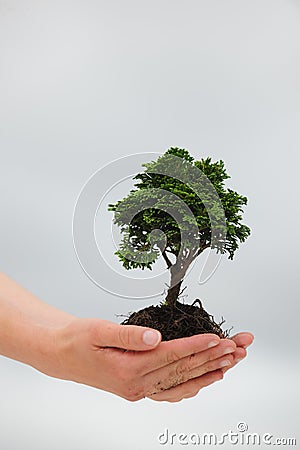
pixel 169 264
pixel 200 250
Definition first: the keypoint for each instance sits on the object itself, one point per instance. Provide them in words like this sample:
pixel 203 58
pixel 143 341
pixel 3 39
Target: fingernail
pixel 225 363
pixel 228 350
pixel 238 360
pixel 213 344
pixel 151 337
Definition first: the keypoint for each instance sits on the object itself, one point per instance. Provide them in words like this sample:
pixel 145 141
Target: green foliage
pixel 171 204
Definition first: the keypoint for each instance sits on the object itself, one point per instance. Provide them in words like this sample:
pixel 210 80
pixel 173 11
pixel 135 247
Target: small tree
pixel 138 250
pixel 166 198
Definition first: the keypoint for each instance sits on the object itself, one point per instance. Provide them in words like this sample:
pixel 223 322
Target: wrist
pixel 29 327
pixel 43 353
pixel 54 353
pixel 33 343
pixel 52 349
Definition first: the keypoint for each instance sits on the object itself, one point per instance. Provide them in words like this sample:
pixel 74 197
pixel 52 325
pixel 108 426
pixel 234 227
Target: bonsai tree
pixel 178 208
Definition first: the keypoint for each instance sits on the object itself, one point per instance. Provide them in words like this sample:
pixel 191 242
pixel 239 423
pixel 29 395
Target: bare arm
pixel 27 325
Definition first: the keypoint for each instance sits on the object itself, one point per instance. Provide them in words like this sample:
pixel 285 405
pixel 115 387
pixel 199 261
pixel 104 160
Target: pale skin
pixel 119 359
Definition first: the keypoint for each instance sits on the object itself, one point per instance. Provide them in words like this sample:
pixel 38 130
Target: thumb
pixel 128 337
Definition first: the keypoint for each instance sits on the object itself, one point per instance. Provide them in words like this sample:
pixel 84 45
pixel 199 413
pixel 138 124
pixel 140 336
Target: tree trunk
pixel 177 275
pixel 178 272
pixel 173 293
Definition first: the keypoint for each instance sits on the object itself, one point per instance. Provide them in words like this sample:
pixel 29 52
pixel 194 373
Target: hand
pixel 115 358
pixel 195 379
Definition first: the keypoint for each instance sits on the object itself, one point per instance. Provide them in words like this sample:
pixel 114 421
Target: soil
pixel 178 321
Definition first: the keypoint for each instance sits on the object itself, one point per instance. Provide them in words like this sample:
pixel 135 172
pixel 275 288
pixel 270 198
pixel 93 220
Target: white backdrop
pixel 84 82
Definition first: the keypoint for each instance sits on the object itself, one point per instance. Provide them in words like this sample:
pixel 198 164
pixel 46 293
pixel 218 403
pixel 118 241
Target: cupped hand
pixel 195 379
pixel 132 362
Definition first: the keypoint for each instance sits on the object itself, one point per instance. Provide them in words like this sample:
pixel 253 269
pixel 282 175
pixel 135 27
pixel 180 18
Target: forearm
pixel 27 325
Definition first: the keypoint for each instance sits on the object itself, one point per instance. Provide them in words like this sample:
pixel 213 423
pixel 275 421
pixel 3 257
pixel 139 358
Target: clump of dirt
pixel 178 321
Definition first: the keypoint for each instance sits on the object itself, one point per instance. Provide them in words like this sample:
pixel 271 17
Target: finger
pixel 183 377
pixel 243 339
pixel 168 352
pixel 238 356
pixel 224 362
pixel 128 337
pixel 190 388
pixel 191 366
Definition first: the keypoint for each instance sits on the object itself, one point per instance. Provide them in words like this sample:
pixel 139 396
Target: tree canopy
pixel 188 205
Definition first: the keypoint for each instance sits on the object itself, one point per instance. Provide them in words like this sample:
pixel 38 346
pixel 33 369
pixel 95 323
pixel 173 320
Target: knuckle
pixel 172 356
pixel 192 361
pixel 212 355
pixel 209 366
pixel 124 336
pixel 206 368
pixel 182 370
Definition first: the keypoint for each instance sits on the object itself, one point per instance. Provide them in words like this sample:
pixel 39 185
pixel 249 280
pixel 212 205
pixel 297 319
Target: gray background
pixel 84 82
